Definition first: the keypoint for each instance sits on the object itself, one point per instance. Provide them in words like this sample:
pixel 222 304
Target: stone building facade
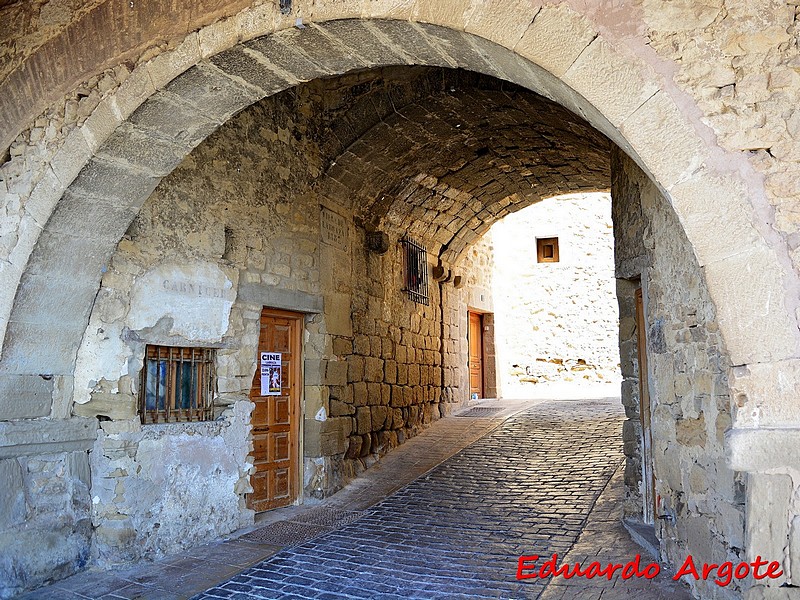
pixel 556 319
pixel 126 132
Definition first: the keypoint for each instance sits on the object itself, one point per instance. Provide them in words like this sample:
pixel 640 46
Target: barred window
pixel 177 385
pixel 415 259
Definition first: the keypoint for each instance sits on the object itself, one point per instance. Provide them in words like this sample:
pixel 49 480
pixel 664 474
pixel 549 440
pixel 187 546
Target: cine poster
pixel 270 373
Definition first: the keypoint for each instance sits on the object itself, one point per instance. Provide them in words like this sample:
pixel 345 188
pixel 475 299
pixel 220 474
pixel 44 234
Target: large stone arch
pixel 93 186
pixel 132 138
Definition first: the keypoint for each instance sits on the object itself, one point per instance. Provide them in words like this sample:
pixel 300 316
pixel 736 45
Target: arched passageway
pixel 100 221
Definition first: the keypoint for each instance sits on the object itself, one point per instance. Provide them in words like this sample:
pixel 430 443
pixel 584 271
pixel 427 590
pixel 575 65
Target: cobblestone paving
pixel 526 488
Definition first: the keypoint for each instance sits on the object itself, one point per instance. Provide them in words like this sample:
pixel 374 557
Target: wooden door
pixel 276 418
pixel 475 355
pixel 648 477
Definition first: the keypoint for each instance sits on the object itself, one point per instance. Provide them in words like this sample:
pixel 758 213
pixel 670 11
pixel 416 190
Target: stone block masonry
pixel 687 380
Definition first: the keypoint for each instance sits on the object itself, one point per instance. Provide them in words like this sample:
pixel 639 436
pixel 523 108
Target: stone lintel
pixel 45 436
pixel 763 450
pixel 274 297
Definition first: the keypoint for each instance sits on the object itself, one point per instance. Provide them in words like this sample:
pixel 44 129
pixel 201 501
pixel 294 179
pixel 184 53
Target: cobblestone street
pixel 537 483
pixel 526 488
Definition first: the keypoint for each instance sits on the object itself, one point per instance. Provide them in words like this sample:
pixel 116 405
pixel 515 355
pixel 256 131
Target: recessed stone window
pixel 415 269
pixel 547 250
pixel 177 385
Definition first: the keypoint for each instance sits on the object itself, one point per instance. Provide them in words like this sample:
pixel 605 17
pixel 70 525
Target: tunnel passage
pixel 276 206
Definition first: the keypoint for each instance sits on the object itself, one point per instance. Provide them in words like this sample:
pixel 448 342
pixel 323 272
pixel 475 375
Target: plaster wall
pixel 556 321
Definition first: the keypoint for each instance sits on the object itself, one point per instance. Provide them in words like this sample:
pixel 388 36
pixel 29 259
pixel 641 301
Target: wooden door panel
pixel 275 420
pixel 261 447
pixel 280 484
pixel 281 416
pixel 260 484
pixel 280 447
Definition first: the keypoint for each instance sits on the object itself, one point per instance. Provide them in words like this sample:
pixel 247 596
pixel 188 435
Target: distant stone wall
pixel 476 266
pixel 687 377
pixel 556 321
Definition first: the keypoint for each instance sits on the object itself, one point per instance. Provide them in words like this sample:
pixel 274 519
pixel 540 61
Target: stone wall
pixel 556 321
pixel 395 370
pixel 242 215
pixel 687 381
pixel 476 267
pixel 159 488
pixel 44 503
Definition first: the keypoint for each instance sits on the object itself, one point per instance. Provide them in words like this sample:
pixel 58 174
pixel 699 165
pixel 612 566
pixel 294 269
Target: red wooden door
pixel 275 420
pixel 475 355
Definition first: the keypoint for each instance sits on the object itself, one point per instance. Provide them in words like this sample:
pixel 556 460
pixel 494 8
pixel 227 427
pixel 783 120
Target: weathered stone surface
pixel 601 73
pixel 363 420
pixel 756 327
pixel 714 235
pixel 214 94
pixel 363 41
pixel 656 114
pixel 502 21
pixel 27 437
pixel 556 38
pixel 114 406
pixel 12 496
pixel 196 298
pixel 25 396
pixel 162 470
pixel 769 495
pixel 759 450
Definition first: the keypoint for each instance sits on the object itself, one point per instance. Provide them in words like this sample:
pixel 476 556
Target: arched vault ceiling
pixel 449 163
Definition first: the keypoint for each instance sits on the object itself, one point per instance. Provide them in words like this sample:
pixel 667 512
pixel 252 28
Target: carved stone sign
pixel 197 297
pixel 333 228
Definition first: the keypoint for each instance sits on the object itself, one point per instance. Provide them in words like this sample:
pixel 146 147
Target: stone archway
pixel 144 148
pixel 131 139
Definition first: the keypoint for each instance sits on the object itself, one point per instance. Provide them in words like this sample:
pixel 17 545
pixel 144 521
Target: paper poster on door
pixel 270 373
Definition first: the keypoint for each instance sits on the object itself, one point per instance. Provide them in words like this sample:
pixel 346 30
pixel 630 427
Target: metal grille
pixel 480 411
pixel 328 517
pixel 286 533
pixel 415 259
pixel 177 385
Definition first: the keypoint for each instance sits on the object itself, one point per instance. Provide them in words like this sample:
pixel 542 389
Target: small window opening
pixel 547 249
pixel 415 268
pixel 177 385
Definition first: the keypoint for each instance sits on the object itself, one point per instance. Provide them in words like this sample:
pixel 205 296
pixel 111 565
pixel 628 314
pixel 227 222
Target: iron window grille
pixel 177 385
pixel 415 269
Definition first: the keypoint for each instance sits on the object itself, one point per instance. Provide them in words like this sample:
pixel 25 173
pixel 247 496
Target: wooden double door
pixel 276 418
